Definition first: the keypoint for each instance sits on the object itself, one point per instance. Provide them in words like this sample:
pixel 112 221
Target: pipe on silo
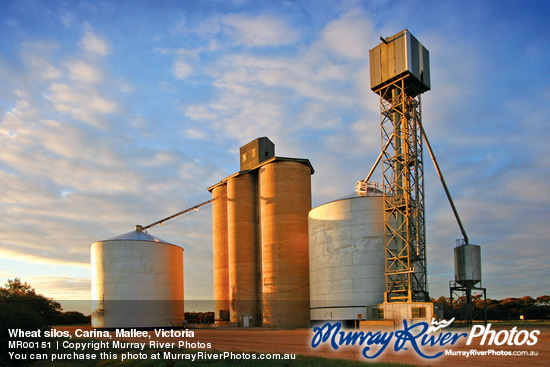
pixel 285 200
pixel 242 248
pixel 221 253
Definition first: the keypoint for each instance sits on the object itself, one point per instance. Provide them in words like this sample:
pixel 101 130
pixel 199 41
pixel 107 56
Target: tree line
pixel 500 310
pixel 21 308
pixel 20 303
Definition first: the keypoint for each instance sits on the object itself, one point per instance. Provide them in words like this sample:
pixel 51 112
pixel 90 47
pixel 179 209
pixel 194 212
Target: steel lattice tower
pixel 403 180
pixel 399 74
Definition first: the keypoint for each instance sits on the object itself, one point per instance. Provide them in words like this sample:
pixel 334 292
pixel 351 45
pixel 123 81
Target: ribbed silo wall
pixel 242 241
pixel 346 257
pixel 285 200
pixel 220 252
pixel 136 284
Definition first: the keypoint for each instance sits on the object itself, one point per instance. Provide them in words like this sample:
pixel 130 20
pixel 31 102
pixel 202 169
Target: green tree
pixel 72 318
pixel 22 309
pixel 21 294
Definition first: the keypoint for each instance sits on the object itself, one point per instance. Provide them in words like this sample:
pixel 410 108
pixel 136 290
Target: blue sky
pixel 121 113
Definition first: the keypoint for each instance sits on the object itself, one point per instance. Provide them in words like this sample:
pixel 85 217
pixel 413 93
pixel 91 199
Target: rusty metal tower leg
pixel 403 176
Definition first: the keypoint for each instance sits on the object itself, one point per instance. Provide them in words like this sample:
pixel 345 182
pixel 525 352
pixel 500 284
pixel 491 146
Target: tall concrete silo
pixel 242 248
pixel 266 280
pixel 346 257
pixel 285 200
pixel 221 253
pixel 137 282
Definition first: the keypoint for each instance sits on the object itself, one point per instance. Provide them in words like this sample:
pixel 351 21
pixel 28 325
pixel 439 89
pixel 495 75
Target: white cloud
pixel 81 102
pixel 62 288
pixel 196 134
pixel 84 71
pixel 199 112
pixel 36 255
pixel 181 69
pixel 91 43
pixel 306 76
pixel 349 36
pixel 251 119
pixel 35 57
pixel 209 26
pixel 67 18
pixel 264 30
pixel 162 158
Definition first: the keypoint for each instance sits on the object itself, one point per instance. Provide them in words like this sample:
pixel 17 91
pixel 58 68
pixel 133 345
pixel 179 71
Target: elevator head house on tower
pixel 400 56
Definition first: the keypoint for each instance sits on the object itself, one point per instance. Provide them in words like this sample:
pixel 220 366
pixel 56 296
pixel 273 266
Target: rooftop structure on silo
pixel 256 152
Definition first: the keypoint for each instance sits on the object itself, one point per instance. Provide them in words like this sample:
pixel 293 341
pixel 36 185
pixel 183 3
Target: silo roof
pixel 137 235
pixel 274 159
pixel 354 195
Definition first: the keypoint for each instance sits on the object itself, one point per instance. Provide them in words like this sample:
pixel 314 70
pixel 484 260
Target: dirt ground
pixel 299 342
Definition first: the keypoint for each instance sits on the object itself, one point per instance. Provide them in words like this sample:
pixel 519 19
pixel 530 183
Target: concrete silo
pixel 267 244
pixel 137 282
pixel 346 257
pixel 221 253
pixel 242 248
pixel 285 200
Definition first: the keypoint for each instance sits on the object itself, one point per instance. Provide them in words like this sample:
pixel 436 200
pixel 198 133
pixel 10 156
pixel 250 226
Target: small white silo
pixel 137 282
pixel 346 257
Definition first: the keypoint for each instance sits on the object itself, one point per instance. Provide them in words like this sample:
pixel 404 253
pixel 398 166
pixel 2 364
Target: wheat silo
pixel 346 257
pixel 242 231
pixel 285 200
pixel 137 282
pixel 261 235
pixel 221 253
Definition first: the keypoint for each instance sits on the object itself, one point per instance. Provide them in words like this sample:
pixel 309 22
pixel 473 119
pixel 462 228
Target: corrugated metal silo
pixel 346 257
pixel 137 282
pixel 468 264
pixel 242 239
pixel 285 200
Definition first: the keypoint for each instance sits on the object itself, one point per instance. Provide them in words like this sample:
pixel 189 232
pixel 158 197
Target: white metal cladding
pixel 136 283
pixel 346 257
